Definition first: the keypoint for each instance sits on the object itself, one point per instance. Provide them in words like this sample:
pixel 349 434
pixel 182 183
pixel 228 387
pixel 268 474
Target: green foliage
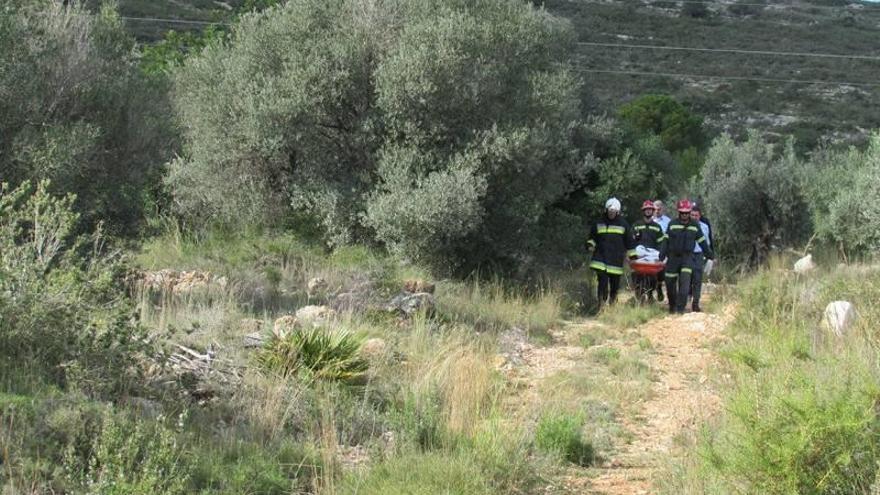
pixel 841 186
pixel 801 416
pixel 63 307
pixel 561 434
pixel 162 57
pixel 445 132
pixel 246 467
pixel 130 456
pixel 754 198
pixel 314 353
pixel 662 115
pixel 77 111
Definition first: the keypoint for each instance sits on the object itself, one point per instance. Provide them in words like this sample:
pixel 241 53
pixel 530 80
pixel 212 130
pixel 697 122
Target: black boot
pixel 696 308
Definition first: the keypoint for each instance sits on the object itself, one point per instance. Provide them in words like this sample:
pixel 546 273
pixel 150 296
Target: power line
pixel 726 78
pixel 729 50
pixel 861 5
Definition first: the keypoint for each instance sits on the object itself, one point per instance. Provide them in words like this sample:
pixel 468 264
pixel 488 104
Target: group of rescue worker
pixel 683 243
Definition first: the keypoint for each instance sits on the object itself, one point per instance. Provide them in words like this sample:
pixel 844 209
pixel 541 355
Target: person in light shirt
pixel 663 221
pixel 699 261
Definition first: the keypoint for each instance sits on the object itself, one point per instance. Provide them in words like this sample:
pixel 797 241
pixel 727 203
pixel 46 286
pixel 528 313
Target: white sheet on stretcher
pixel 647 255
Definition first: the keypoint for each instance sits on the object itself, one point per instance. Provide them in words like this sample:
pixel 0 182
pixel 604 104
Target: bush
pixel 800 416
pixel 76 109
pixel 63 305
pixel 840 185
pixel 753 197
pixel 445 131
pixel 314 353
pixel 130 456
pixel 560 434
pixel 662 115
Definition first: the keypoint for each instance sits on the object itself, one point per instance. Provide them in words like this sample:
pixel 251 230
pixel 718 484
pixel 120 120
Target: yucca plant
pixel 315 353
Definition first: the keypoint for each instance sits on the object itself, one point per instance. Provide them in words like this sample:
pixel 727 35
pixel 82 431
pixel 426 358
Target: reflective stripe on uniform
pixel 701 239
pixel 641 227
pixel 632 252
pixel 654 228
pixel 686 270
pixel 671 275
pixel 693 228
pixel 663 238
pixel 676 227
pixel 591 242
pixel 610 229
pixel 614 270
pixel 602 267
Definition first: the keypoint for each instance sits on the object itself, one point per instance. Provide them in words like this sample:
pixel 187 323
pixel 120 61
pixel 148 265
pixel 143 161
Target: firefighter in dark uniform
pixel 648 234
pixel 683 235
pixel 611 240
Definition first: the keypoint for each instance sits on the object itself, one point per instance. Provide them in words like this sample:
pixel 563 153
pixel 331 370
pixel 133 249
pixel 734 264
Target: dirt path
pixel 680 359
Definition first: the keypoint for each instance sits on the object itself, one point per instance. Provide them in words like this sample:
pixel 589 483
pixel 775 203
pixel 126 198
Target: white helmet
pixel 612 204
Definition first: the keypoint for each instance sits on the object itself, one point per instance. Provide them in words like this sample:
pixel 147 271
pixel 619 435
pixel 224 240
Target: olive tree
pixel 754 197
pixel 842 187
pixel 77 110
pixel 445 130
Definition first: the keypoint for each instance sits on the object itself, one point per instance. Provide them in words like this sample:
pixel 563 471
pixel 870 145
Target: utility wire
pixel 729 50
pixel 859 5
pixel 726 78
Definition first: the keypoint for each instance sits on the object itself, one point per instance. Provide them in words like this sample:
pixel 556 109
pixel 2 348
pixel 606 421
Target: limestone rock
pixel 285 325
pixel 250 325
pixel 253 340
pixel 410 304
pixel 416 286
pixel 317 287
pixel 804 265
pixel 315 315
pixel 839 317
pixel 374 348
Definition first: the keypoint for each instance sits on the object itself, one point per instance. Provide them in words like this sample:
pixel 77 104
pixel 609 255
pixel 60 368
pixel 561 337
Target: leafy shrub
pixel 661 115
pixel 800 417
pixel 445 131
pixel 314 353
pixel 63 306
pixel 840 185
pixel 561 434
pixel 130 456
pixel 753 197
pixel 77 111
pixel 237 466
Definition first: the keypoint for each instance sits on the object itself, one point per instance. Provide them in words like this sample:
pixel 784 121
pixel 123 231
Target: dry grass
pixel 492 306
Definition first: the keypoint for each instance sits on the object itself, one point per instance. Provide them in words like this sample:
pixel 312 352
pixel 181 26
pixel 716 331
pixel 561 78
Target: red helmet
pixel 648 204
pixel 685 206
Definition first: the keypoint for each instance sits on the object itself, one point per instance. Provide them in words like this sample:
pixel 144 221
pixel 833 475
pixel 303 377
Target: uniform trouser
pixel 678 281
pixel 697 279
pixel 608 286
pixel 661 278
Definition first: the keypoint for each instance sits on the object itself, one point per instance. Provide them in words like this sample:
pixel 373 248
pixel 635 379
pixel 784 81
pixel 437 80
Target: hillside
pixel 810 112
pixel 807 111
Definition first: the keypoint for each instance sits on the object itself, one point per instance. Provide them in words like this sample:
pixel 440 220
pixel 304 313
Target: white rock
pixel 285 326
pixel 317 287
pixel 374 348
pixel 839 317
pixel 315 315
pixel 804 265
